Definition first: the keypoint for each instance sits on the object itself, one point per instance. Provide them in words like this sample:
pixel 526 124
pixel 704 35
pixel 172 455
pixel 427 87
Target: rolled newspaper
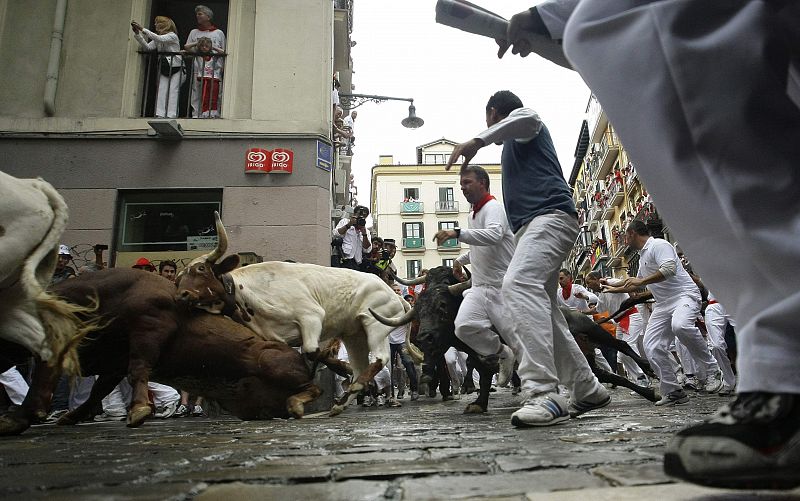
pixel 472 18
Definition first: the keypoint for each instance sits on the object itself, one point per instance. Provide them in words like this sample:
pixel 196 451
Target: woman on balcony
pixel 170 65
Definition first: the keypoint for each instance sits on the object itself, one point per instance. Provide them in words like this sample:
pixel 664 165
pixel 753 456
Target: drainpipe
pixel 51 84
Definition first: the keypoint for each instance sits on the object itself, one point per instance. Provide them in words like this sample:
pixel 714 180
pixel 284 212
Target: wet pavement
pixel 426 449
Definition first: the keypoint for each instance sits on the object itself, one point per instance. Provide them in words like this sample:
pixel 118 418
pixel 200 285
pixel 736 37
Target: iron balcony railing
pixel 451 243
pixel 412 207
pixel 182 84
pixel 446 206
pixel 413 243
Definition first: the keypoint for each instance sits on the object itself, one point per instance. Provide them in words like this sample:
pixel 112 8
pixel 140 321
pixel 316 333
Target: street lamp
pixel 351 101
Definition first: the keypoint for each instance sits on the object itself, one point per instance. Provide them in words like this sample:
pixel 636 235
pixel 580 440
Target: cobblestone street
pixel 426 449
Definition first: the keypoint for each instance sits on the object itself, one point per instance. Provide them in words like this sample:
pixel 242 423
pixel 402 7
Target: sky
pixel 400 51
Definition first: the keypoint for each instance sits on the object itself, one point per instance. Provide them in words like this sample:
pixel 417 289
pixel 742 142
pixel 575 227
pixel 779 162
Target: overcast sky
pixel 402 52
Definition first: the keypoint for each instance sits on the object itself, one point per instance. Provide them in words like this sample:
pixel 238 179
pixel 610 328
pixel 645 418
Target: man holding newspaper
pixel 696 136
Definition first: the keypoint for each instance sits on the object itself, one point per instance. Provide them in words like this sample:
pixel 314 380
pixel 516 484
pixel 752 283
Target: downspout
pixel 51 84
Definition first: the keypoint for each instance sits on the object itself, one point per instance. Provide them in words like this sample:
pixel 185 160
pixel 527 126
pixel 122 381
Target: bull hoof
pixel 336 410
pixel 447 398
pixel 355 387
pixel 68 419
pixel 296 409
pixel 474 409
pixel 137 415
pixel 11 424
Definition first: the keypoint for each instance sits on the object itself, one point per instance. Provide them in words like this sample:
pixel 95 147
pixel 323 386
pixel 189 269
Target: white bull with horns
pixel 300 304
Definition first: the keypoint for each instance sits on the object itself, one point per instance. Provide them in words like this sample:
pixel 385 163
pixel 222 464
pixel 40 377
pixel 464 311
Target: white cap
pixel 63 250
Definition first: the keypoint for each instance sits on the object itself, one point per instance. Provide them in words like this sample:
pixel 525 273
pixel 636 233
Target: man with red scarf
pixel 205 29
pixel 573 296
pixel 492 246
pixel 543 218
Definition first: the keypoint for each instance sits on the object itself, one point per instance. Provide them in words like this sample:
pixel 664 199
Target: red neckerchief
pixel 479 205
pixel 212 28
pixel 566 292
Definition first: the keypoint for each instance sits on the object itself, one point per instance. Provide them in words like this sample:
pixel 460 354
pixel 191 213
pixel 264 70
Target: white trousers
pixel 716 319
pixel 631 336
pixel 717 149
pixel 456 366
pixel 668 321
pixel 167 95
pixel 482 307
pixel 15 385
pixel 546 350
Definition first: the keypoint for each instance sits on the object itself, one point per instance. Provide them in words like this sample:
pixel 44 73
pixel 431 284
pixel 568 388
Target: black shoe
pixel 752 443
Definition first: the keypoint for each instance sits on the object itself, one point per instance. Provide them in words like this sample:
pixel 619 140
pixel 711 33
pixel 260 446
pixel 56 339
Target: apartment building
pixel 410 203
pixel 78 104
pixel 608 194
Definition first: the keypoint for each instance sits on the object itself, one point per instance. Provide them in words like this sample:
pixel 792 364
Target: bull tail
pixel 37 271
pixel 64 329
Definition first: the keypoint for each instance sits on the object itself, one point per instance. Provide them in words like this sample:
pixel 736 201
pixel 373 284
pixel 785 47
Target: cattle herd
pixel 225 332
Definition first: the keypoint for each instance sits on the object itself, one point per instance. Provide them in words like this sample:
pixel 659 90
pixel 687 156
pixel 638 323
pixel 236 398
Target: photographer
pixel 355 239
pixel 387 267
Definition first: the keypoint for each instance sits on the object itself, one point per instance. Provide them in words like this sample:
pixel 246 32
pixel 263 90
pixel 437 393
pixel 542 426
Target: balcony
pixel 410 208
pixel 451 245
pixel 446 206
pixel 609 149
pixel 608 213
pixel 594 217
pixel 414 244
pixel 616 194
pixel 193 89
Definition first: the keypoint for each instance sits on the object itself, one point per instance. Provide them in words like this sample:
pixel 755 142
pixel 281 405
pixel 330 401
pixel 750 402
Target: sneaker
pixel 165 411
pixel 681 377
pixel 381 400
pixel 197 411
pixel 394 403
pixel 751 443
pixel 726 390
pixel 543 409
pixel 642 381
pixel 105 416
pixel 691 383
pixel 400 395
pixel 713 383
pixel 181 411
pixel 506 366
pixel 583 406
pixel 414 395
pixel 368 402
pixel 677 397
pixel 55 415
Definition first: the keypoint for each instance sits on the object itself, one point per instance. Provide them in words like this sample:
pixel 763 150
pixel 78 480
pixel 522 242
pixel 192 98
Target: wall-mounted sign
pixel 261 161
pixel 198 242
pixel 324 156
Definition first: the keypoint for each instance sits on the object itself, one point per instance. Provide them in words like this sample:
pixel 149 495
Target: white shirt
pixel 555 14
pixel 609 301
pixel 349 122
pixel 576 303
pixel 217 37
pixel 352 241
pixel 167 42
pixel 657 251
pixel 492 244
pixel 398 335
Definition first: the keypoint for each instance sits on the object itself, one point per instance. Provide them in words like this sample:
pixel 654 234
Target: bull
pixel 32 218
pixel 299 304
pixel 435 309
pixel 144 335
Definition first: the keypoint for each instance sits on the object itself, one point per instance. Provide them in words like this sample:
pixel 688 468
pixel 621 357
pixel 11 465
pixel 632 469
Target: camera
pixel 361 222
pixel 385 255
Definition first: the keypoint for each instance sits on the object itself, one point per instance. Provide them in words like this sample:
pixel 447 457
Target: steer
pixel 32 218
pixel 144 335
pixel 300 304
pixel 436 310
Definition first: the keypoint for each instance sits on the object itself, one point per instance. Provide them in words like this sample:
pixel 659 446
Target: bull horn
pixel 394 322
pixel 413 281
pixel 459 288
pixel 222 243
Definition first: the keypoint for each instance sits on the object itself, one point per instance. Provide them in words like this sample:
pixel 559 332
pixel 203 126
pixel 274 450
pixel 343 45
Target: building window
pixel 413 267
pixel 413 230
pixel 447 262
pixel 436 158
pixel 182 92
pixel 156 220
pixel 410 194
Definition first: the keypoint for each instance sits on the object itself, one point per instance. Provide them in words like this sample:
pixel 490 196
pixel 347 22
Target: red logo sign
pixel 261 161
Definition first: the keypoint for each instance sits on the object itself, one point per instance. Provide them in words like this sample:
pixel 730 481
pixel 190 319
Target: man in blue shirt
pixel 543 219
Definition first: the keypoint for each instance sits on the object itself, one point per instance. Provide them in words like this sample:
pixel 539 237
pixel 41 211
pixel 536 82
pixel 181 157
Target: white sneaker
pixel 381 401
pixel 543 409
pixel 713 383
pixel 167 410
pixel 692 383
pixel 506 366
pixel 368 402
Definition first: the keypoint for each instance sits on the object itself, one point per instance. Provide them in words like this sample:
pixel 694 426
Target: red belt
pixel 624 321
pixel 713 301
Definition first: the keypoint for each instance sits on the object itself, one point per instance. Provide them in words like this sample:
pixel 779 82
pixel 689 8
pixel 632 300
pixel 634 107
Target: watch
pixel 458 232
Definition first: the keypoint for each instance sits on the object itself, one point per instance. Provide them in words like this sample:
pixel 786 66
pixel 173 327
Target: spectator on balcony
pixel 543 217
pixel 340 133
pixel 355 239
pixel 170 65
pixel 571 295
pixel 208 71
pixel 350 126
pixel 205 28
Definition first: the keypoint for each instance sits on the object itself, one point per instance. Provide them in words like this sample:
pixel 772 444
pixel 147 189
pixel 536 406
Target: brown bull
pixel 145 336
